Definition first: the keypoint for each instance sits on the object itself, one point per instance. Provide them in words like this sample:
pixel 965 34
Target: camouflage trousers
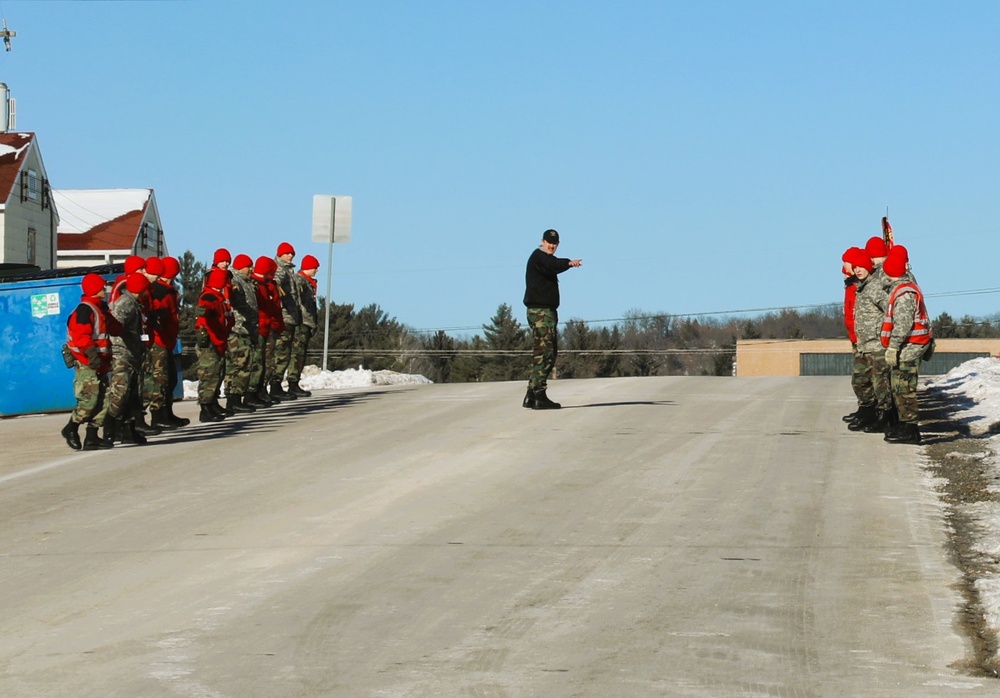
pixel 241 360
pixel 904 390
pixel 155 377
pixel 270 357
pixel 871 381
pixel 283 351
pixel 259 373
pixel 211 365
pixel 300 345
pixel 545 335
pixel 90 390
pixel 123 387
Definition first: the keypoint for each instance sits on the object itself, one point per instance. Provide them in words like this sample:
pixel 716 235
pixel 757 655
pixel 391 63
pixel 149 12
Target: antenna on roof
pixel 7 35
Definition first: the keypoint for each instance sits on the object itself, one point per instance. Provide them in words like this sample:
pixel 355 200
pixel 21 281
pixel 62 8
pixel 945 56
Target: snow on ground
pixel 315 378
pixel 975 388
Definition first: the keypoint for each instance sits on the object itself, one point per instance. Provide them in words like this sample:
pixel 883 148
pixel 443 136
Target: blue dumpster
pixel 33 313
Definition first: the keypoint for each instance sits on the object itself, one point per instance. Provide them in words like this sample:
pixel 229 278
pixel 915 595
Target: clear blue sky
pixel 700 157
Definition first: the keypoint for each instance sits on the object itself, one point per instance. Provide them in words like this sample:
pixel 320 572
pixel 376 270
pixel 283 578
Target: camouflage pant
pixel 300 345
pixel 90 389
pixel 873 382
pixel 241 353
pixel 259 371
pixel 904 390
pixel 544 331
pixel 210 367
pixel 860 384
pixel 283 351
pixel 123 393
pixel 270 357
pixel 155 378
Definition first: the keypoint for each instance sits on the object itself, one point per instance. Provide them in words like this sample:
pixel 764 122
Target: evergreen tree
pixel 509 342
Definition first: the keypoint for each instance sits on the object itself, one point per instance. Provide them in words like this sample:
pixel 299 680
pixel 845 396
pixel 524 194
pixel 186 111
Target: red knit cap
pixel 218 278
pixel 285 248
pixel 221 255
pixel 242 261
pixel 134 263
pixel 309 262
pixel 895 262
pixel 262 267
pixel 136 283
pixel 154 266
pixel 875 247
pixel 92 284
pixel 857 257
pixel 171 268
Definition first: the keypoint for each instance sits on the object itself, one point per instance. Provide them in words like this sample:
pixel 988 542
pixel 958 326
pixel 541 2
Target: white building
pixel 104 226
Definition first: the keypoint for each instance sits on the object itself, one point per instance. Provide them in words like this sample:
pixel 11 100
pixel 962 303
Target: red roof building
pixel 104 226
pixel 28 218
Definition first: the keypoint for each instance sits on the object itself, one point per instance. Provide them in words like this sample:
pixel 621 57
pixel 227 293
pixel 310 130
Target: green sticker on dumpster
pixel 45 304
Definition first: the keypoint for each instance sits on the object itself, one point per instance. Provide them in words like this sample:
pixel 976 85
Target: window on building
pixel 31 245
pixel 34 190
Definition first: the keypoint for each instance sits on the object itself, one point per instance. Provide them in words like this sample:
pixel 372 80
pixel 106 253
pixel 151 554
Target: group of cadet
pixel 890 332
pixel 254 320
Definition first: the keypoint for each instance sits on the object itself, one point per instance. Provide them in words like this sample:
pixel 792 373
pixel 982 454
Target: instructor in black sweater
pixel 541 297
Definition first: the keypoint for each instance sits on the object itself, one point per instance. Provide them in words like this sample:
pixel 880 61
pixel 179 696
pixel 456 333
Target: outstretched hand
pixel 575 262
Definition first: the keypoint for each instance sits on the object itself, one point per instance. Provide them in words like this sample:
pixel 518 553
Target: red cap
pixel 154 266
pixel 134 263
pixel 895 262
pixel 221 255
pixel 218 278
pixel 285 248
pixel 875 247
pixel 309 262
pixel 262 267
pixel 171 268
pixel 136 283
pixel 242 261
pixel 92 284
pixel 857 257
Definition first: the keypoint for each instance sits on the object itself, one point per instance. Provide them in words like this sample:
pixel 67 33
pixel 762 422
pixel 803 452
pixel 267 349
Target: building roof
pixel 100 219
pixel 13 147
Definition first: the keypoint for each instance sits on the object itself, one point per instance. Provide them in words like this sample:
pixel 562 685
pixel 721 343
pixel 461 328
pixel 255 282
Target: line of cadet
pixel 254 320
pixel 890 332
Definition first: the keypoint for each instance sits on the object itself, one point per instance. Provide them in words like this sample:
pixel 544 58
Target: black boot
pixel 207 415
pixel 879 424
pixel 160 419
pixel 92 441
pixel 251 400
pixel 143 428
pixel 295 389
pixel 529 400
pixel 850 417
pixel 904 433
pixel 179 421
pixel 218 409
pixel 111 430
pixel 542 401
pixel 263 398
pixel 864 416
pixel 239 405
pixel 71 432
pixel 131 436
pixel 276 393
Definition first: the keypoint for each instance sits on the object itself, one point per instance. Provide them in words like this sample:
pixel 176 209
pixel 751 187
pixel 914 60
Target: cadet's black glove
pixel 93 357
pixel 202 341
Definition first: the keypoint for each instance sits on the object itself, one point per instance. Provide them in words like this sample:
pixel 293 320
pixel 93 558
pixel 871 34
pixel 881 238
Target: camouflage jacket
pixel 284 279
pixel 243 298
pixel 129 345
pixel 307 301
pixel 904 310
pixel 869 311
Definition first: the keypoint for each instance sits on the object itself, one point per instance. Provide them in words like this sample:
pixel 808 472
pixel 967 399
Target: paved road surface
pixel 658 537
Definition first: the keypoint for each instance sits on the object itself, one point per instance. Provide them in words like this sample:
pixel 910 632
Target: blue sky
pixel 701 157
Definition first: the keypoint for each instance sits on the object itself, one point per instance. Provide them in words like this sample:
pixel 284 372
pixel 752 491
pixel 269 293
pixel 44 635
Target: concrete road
pixel 656 537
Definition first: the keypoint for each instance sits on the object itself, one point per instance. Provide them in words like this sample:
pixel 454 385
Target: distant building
pixel 28 218
pixel 104 226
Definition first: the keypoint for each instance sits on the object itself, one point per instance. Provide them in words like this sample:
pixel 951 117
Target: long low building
pixel 833 357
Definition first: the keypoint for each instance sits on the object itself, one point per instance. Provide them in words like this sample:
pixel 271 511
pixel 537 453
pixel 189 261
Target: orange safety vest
pixel 99 333
pixel 920 333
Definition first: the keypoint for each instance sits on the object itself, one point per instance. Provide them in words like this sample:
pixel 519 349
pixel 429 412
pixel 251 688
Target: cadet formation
pixel 254 320
pixel 890 333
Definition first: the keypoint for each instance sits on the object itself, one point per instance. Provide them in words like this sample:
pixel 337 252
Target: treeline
pixel 640 344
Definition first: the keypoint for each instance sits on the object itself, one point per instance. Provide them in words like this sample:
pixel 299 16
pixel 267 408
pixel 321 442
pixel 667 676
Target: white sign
pixel 331 218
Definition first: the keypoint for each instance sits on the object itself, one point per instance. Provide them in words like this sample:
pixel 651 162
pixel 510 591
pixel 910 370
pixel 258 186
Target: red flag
pixel 887 233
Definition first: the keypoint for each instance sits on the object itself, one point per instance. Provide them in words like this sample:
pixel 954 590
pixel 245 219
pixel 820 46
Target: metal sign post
pixel 331 223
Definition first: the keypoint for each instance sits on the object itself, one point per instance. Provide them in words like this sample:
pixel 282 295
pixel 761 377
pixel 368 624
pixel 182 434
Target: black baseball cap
pixel 551 236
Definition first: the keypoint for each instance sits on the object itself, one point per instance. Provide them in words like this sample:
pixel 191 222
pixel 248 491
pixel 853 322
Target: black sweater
pixel 541 285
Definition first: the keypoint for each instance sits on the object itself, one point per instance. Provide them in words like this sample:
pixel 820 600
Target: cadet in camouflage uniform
pixel 541 298
pixel 906 335
pixel 850 296
pixel 88 344
pixel 154 370
pixel 303 331
pixel 875 406
pixel 212 326
pixel 291 314
pixel 241 347
pixel 128 354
